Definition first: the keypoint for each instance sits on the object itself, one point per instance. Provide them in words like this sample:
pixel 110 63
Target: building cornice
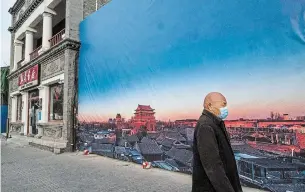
pixel 25 15
pixel 16 7
pixel 65 44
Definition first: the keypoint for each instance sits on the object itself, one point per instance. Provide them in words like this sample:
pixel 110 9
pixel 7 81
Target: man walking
pixel 214 165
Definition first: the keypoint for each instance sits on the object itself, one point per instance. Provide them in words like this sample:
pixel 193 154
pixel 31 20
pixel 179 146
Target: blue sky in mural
pixel 169 54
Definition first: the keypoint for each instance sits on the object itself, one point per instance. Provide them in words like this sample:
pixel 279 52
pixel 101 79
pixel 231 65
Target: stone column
pixel 14 109
pixel 17 53
pixel 25 111
pixel 46 31
pixel 68 132
pixel 44 95
pixel 29 44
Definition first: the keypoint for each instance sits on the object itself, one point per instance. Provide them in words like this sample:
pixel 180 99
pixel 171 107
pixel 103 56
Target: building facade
pixel 43 69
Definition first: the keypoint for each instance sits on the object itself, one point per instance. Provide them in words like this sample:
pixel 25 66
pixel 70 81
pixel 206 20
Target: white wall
pixel 14 109
pixel 25 111
pixel 13 97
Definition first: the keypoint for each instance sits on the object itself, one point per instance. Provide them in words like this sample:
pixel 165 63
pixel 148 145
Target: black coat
pixel 214 165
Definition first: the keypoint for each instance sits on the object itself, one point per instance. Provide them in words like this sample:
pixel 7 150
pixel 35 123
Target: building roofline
pixel 263 120
pixel 16 6
pixel 280 120
pixel 185 120
pixel 34 4
pixel 65 44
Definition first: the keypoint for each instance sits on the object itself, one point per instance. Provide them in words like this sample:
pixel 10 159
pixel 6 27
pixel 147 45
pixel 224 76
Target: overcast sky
pixel 5 35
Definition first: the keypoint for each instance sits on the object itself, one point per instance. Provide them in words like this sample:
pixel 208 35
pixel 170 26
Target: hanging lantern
pixel 146 165
pixel 86 152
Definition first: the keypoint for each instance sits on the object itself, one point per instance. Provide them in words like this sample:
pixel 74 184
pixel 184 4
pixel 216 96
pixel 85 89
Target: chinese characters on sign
pixel 28 78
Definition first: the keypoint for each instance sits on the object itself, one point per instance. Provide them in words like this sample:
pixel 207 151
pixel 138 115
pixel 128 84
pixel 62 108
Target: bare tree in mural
pixel 142 132
pixel 272 115
pixel 4 85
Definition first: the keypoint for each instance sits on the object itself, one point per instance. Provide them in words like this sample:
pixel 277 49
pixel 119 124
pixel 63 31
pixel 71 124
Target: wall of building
pixel 70 104
pixel 58 64
pixel 90 6
pixel 241 123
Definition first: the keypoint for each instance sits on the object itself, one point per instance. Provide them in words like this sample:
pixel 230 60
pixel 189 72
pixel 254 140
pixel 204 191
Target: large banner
pixel 146 66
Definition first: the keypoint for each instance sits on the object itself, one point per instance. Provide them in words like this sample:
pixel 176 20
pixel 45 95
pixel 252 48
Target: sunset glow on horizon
pixel 170 63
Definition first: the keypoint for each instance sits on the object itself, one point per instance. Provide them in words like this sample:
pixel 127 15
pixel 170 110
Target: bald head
pixel 214 101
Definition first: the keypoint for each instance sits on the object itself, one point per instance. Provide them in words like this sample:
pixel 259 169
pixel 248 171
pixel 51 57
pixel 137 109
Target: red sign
pixel 28 78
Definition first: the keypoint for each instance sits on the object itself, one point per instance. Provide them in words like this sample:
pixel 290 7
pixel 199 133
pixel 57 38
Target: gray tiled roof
pixel 174 135
pixel 245 148
pixel 132 138
pixel 167 142
pixel 120 150
pixel 180 145
pixel 153 135
pixel 96 147
pixel 182 131
pixel 285 187
pixel 107 147
pixel 274 163
pixel 171 162
pixel 160 138
pixel 85 137
pixel 190 134
pixel 181 155
pixel 150 149
pixel 147 140
pixel 104 141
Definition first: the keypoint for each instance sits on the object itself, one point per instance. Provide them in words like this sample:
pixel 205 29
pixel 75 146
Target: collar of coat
pixel 216 119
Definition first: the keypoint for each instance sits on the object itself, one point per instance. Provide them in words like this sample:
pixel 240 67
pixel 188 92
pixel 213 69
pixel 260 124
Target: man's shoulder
pixel 205 120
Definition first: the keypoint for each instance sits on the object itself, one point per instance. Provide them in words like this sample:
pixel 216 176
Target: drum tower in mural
pixel 144 116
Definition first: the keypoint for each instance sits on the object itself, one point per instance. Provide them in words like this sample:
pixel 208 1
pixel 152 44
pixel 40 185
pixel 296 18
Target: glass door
pixel 33 111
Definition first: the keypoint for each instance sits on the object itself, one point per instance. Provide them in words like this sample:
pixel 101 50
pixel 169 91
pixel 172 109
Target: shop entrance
pixel 33 111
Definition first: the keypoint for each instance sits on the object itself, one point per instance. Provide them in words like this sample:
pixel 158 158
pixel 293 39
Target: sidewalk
pixel 16 139
pixel 29 169
pixel 47 144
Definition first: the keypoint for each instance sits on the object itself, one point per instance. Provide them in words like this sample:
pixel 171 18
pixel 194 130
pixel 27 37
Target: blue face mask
pixel 223 112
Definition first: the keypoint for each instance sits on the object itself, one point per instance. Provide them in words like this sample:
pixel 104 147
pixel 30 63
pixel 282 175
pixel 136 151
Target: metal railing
pixel 35 53
pixel 57 38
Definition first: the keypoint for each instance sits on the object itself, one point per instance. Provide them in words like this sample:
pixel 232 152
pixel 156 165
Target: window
pixel 19 108
pixel 23 49
pixel 56 102
pixel 58 27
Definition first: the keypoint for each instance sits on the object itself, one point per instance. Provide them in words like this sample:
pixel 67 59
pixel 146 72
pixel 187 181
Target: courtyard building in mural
pixel 145 86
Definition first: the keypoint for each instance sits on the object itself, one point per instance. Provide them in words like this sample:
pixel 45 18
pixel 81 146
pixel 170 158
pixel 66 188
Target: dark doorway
pixel 33 111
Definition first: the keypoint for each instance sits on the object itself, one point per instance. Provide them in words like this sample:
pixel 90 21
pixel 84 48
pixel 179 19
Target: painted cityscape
pixel 145 70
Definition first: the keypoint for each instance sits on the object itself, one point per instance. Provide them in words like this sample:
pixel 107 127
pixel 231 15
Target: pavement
pixel 24 168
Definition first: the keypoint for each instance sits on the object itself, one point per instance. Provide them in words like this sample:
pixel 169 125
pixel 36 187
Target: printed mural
pixel 146 66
